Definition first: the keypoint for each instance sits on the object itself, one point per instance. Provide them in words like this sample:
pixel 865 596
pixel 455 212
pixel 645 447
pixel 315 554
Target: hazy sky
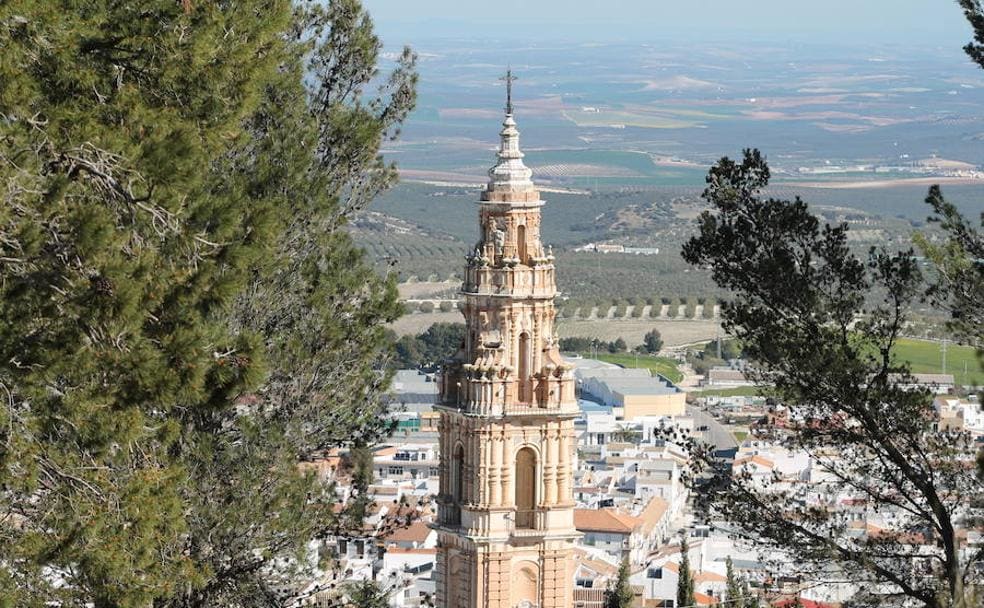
pixel 928 21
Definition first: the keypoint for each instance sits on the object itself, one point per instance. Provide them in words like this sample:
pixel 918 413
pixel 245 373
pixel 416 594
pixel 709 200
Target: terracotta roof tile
pixel 417 532
pixel 605 520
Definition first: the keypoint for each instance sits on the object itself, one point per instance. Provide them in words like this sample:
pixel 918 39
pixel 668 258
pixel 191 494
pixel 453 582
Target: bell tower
pixel 505 509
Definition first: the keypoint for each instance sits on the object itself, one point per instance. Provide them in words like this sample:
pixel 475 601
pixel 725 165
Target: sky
pixel 882 21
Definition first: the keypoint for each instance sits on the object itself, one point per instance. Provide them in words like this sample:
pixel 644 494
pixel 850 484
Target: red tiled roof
pixel 417 532
pixel 605 520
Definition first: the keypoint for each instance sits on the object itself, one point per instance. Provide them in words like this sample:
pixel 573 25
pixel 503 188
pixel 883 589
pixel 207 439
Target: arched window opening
pixel 457 483
pixel 525 488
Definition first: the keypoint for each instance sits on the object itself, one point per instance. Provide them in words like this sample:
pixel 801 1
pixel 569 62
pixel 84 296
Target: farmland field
pixel 675 333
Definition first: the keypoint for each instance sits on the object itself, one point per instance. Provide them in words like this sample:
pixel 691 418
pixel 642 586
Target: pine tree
pixel 685 581
pixel 797 291
pixel 619 593
pixel 733 592
pixel 185 320
pixel 653 341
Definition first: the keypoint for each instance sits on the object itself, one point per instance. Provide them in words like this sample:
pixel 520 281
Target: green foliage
pixel 617 346
pixel 364 594
pixel 722 349
pixel 749 598
pixel 619 593
pixel 652 341
pixel 797 289
pixel 685 580
pixel 577 344
pixel 190 319
pixel 438 342
pixel 708 310
pixel 734 595
pixel 960 261
pixel 690 308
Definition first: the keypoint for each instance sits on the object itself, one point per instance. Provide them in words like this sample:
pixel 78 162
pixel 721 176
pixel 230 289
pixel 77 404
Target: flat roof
pixel 588 405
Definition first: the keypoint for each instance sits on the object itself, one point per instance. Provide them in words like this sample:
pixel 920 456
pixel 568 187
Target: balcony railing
pixel 449 515
pixel 531 522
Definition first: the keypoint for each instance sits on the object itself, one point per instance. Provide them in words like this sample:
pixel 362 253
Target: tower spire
pixel 505 519
pixel 509 78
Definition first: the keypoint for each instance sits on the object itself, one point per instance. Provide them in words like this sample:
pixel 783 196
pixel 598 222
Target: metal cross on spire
pixel 509 78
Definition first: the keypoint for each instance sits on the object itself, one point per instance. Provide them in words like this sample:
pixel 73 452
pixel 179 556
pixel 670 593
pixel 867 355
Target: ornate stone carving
pixel 507 394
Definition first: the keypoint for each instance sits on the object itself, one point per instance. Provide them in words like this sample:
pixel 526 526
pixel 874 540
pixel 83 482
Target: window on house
pixel 342 547
pixel 360 547
pixel 585 583
pixel 655 573
pixel 396 470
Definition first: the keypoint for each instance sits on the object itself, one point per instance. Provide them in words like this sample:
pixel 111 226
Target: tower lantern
pixel 505 509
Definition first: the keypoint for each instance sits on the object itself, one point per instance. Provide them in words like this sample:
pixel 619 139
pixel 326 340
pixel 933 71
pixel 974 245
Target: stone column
pixel 485 471
pixel 495 472
pixel 507 477
pixel 564 466
pixel 550 467
pixel 474 456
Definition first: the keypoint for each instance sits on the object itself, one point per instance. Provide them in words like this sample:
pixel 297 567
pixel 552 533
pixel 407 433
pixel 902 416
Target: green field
pixel 663 366
pixel 926 357
pixel 739 391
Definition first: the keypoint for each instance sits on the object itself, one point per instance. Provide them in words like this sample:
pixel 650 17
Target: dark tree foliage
pixel 364 594
pixel 799 310
pixel 619 593
pixel 685 578
pixel 959 260
pixel 437 343
pixel 587 346
pixel 733 595
pixel 722 349
pixel 652 341
pixel 577 344
pixel 617 345
pixel 183 319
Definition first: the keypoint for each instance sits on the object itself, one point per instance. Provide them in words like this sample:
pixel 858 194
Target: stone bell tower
pixel 505 509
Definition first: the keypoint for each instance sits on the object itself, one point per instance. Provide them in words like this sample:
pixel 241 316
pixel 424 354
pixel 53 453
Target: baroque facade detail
pixel 505 516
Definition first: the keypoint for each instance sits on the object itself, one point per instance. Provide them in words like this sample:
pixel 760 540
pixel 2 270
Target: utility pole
pixel 944 355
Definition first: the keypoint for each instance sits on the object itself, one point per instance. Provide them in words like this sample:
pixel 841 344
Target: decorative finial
pixel 509 78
